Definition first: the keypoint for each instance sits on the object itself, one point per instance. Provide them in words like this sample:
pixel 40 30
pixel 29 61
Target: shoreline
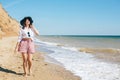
pixel 11 65
pixel 110 54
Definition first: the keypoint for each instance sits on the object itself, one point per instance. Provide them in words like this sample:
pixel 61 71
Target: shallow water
pixel 85 41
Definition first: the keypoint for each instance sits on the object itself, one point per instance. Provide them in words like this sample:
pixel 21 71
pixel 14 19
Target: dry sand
pixel 11 65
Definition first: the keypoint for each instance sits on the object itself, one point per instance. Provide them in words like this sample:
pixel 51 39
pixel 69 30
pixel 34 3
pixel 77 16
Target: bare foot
pixel 25 75
pixel 30 73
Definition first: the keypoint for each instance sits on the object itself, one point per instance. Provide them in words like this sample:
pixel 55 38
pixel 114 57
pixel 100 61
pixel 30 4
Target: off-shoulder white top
pixel 25 33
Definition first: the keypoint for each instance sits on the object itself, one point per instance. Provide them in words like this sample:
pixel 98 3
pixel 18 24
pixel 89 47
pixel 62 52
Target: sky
pixel 68 17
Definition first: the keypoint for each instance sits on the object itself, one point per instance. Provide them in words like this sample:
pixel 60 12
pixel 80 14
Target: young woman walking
pixel 25 43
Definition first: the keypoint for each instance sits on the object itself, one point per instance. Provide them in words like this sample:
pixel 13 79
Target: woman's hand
pixel 31 26
pixel 15 51
pixel 16 47
pixel 34 30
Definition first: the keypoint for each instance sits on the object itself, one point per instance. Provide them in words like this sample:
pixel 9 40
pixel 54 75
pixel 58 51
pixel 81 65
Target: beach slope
pixel 11 65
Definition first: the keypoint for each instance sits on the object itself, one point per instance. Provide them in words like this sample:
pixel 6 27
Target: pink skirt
pixel 26 46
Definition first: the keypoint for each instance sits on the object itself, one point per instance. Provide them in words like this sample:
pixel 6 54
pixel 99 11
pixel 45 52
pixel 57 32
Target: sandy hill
pixel 8 25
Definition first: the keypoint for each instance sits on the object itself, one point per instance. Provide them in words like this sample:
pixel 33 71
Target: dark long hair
pixel 22 22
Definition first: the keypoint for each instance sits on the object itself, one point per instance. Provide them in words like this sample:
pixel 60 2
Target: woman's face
pixel 27 22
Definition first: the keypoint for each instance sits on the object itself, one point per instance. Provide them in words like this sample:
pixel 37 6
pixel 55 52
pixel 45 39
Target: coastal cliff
pixel 8 25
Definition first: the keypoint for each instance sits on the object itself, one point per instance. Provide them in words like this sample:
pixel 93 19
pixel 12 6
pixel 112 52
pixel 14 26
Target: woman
pixel 25 43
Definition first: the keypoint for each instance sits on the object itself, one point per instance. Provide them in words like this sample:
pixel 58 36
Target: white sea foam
pixel 86 66
pixel 70 48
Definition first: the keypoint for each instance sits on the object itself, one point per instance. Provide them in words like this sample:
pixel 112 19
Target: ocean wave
pixel 81 49
pixel 99 50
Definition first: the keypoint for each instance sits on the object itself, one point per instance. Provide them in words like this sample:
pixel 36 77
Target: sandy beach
pixel 11 65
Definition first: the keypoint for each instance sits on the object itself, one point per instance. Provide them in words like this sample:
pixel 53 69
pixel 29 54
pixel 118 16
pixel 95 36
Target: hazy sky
pixel 68 17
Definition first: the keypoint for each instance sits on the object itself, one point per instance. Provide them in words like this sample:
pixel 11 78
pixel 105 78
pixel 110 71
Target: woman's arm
pixel 34 30
pixel 18 41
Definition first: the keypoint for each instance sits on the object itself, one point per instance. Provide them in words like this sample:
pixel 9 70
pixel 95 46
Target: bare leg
pixel 29 58
pixel 24 56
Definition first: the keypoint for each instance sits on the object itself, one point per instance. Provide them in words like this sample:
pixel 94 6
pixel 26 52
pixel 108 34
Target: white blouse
pixel 25 33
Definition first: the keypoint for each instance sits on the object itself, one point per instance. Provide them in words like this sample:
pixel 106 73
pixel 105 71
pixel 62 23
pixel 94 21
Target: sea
pixel 77 53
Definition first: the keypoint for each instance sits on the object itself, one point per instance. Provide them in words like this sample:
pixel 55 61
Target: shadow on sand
pixel 9 71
